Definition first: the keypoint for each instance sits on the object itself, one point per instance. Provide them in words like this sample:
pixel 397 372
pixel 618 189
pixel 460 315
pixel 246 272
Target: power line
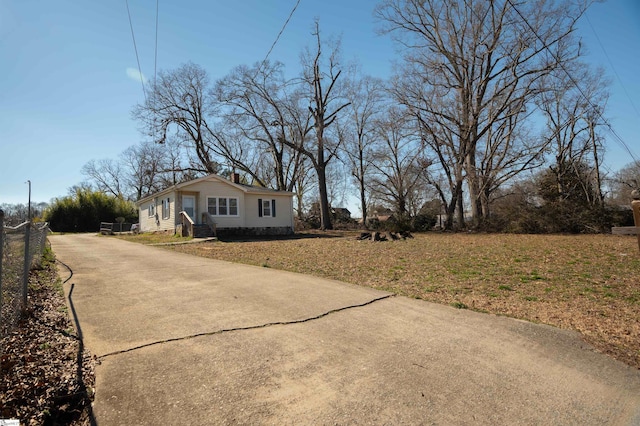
pixel 611 64
pixel 575 83
pixel 278 37
pixel 155 74
pixel 136 50
pixel 155 60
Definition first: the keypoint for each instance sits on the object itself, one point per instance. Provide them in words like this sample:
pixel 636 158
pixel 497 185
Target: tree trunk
pixel 474 188
pixel 363 204
pixel 363 195
pixel 299 197
pixel 450 211
pixel 460 207
pixel 325 214
pixel 486 205
pixel 592 135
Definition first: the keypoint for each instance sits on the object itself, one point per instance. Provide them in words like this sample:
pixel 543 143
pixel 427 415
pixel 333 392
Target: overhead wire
pixel 155 74
pixel 135 47
pixel 155 59
pixel 273 45
pixel 611 64
pixel 575 83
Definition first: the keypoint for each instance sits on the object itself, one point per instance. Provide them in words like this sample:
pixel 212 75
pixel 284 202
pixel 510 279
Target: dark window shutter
pixel 259 207
pixel 273 208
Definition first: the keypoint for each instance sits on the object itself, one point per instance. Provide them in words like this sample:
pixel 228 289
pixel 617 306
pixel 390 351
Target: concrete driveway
pixel 187 340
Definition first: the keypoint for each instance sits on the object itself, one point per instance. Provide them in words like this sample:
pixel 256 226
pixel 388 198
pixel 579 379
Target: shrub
pixel 85 209
pixel 423 222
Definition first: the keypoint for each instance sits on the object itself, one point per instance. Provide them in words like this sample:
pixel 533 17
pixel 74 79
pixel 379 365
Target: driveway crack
pixel 251 327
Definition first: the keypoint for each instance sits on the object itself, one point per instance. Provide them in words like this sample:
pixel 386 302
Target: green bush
pixel 85 209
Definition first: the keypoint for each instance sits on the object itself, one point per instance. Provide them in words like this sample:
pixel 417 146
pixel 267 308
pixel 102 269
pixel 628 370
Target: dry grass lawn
pixel 587 283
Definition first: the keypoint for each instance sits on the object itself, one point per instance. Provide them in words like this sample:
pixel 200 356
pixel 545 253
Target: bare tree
pixel 471 65
pixel 107 175
pixel 365 95
pixel 508 149
pixel 256 104
pixel 139 170
pixel 15 214
pixel 446 173
pixel 572 108
pixel 623 182
pixel 396 163
pixel 303 187
pixel 338 188
pixel 144 166
pixel 178 102
pixel 321 87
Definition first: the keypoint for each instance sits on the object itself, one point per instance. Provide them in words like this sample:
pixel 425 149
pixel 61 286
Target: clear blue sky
pixel 68 70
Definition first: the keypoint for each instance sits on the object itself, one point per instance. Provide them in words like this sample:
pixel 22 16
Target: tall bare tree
pixel 322 92
pixel 470 65
pixel 144 166
pixel 178 102
pixel 107 175
pixel 365 95
pixel 396 163
pixel 573 110
pixel 256 105
pixel 508 149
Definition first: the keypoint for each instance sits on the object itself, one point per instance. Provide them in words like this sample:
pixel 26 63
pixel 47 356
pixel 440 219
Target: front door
pixel 189 206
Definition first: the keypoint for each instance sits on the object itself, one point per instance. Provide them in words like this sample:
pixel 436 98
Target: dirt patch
pixel 47 379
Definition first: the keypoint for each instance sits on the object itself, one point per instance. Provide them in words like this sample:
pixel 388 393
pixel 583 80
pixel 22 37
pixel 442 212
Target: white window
pixel 233 207
pixel 212 206
pixel 152 209
pixel 222 206
pixel 266 208
pixel 166 211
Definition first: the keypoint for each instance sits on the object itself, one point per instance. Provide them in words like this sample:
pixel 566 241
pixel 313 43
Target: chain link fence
pixel 21 249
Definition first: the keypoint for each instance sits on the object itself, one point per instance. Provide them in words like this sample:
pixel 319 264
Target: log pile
pixel 384 236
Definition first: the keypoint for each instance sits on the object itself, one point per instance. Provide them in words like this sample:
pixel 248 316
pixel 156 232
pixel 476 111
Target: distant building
pixel 341 214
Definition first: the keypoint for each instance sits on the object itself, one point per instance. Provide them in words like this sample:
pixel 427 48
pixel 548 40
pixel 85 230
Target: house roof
pixel 341 210
pixel 242 187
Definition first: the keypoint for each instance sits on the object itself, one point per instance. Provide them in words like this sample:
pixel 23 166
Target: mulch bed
pixel 47 378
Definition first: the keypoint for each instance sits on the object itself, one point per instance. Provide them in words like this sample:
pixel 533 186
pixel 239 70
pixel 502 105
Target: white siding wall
pixel 167 221
pixel 284 211
pixel 215 188
pixel 147 223
pixel 158 222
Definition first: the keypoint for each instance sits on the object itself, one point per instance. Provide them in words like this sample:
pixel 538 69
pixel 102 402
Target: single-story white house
pixel 215 205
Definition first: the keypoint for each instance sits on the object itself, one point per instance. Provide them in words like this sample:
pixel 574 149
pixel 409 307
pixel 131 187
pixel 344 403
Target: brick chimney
pixel 235 177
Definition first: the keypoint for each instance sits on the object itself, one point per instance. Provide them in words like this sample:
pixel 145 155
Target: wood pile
pixel 384 236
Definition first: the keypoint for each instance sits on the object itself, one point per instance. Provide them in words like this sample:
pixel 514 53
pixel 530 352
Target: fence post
pixel 635 206
pixel 27 265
